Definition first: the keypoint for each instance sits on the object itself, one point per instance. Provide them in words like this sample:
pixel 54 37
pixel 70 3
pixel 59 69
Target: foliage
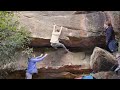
pixel 13 37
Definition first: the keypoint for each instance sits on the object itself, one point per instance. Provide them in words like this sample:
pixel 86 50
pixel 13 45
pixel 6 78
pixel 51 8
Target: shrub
pixel 13 37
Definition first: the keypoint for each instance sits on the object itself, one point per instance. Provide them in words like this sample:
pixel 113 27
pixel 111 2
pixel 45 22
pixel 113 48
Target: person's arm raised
pixel 39 56
pixel 53 29
pixel 60 29
pixel 39 59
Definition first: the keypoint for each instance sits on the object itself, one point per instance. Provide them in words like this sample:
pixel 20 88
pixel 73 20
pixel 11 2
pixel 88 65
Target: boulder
pixel 80 27
pixel 106 75
pixel 78 31
pixel 101 60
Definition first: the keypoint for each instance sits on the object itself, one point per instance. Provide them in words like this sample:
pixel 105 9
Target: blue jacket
pixel 110 35
pixel 32 64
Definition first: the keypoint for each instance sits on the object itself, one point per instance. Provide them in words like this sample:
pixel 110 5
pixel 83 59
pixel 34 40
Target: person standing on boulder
pixel 32 69
pixel 55 38
pixel 111 43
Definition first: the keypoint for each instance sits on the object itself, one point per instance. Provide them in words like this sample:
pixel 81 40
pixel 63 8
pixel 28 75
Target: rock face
pixel 78 31
pixel 55 59
pixel 101 60
pixel 80 27
pixel 65 72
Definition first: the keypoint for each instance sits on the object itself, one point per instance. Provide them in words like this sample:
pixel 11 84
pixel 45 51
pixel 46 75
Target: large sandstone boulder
pixel 101 60
pixel 80 27
pixel 78 31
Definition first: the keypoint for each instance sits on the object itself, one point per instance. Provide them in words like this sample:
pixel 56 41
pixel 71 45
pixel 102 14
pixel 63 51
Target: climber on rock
pixel 32 69
pixel 55 38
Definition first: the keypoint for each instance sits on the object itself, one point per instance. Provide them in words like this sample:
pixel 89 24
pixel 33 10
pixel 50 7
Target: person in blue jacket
pixel 31 69
pixel 111 43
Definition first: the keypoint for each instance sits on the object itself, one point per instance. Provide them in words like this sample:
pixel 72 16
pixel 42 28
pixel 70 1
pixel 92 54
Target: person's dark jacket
pixel 110 35
pixel 110 40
